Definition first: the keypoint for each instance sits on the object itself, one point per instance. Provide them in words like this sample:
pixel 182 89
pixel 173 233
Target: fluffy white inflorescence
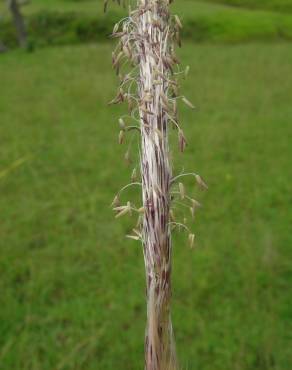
pixel 147 40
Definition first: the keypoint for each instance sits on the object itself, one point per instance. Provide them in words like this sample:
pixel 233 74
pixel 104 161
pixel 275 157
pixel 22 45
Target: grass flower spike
pixel 147 39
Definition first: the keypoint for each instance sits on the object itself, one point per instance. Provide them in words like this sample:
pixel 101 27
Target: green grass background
pixel 59 22
pixel 72 286
pixel 276 5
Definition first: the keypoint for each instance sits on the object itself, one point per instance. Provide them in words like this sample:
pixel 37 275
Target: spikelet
pixel 195 203
pixel 192 210
pixel 141 210
pixel 202 184
pixel 191 240
pixel 116 27
pixel 182 190
pixel 121 136
pixel 122 124
pixel 138 233
pixel 134 237
pixel 129 207
pixel 139 221
pixel 116 201
pixel 182 142
pixel 177 21
pixel 117 59
pixel 164 99
pixel 187 102
pixel 171 215
pixel 123 210
pixel 134 175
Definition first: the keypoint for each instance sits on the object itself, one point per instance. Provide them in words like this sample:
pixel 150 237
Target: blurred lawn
pixel 72 287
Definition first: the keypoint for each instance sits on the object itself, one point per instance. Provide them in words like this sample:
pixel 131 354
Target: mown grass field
pixel 72 287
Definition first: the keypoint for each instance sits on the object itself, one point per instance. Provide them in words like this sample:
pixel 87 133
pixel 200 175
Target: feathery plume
pixel 147 38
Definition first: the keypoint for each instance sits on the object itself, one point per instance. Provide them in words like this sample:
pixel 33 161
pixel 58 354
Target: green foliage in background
pixel 72 287
pixel 278 5
pixel 71 22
